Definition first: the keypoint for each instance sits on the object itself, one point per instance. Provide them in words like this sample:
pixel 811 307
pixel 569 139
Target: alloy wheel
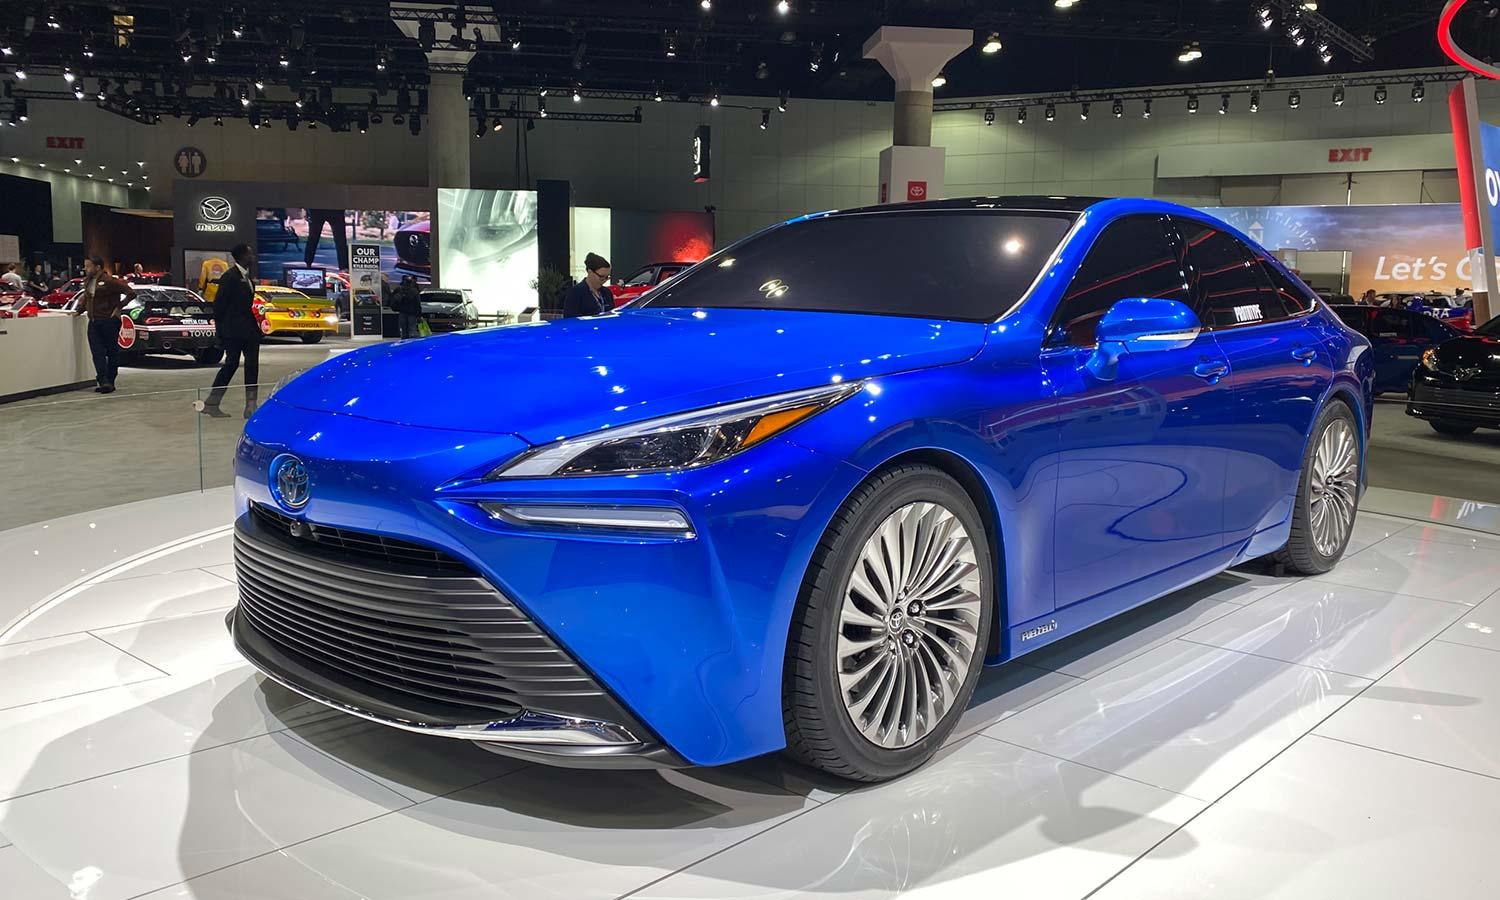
pixel 909 624
pixel 1335 480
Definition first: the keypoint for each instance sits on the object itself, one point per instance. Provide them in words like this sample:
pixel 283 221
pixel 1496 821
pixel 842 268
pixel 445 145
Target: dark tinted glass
pixel 1131 258
pixel 1395 325
pixel 1233 289
pixel 970 266
pixel 1491 327
pixel 1295 297
pixel 1355 317
pixel 1434 330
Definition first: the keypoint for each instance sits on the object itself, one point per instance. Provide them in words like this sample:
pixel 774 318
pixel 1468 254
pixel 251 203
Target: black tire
pixel 312 338
pixel 208 356
pixel 1301 554
pixel 819 729
pixel 1451 429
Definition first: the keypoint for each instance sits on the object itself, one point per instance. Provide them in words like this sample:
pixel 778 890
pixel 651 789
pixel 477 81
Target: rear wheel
pixel 1452 429
pixel 208 356
pixel 889 635
pixel 1328 495
pixel 312 338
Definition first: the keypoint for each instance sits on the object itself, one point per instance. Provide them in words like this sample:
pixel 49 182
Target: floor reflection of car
pixel 1398 336
pixel 446 310
pixel 284 312
pixel 778 503
pixel 1456 388
pixel 646 279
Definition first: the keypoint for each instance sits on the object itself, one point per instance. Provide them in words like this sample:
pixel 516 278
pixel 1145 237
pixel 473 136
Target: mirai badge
pixel 289 484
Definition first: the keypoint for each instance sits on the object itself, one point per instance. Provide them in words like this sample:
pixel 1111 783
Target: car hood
pixel 1477 350
pixel 549 380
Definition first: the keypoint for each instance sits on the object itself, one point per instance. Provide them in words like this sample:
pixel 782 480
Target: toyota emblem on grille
pixel 1465 373
pixel 289 482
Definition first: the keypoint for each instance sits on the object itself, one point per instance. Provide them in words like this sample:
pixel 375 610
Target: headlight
pixel 1429 359
pixel 684 441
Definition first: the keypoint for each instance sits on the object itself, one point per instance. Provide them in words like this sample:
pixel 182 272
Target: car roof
pixel 1048 203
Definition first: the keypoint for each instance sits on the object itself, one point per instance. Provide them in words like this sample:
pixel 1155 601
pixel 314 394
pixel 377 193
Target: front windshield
pixel 969 266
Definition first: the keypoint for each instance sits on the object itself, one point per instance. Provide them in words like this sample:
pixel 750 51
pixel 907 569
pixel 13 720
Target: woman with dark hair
pixel 589 297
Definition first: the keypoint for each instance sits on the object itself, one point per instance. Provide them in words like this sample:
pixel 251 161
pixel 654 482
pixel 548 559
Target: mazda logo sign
pixel 215 209
pixel 289 482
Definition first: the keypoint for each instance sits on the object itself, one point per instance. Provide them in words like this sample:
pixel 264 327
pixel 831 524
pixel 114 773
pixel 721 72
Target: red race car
pixel 59 296
pixel 644 280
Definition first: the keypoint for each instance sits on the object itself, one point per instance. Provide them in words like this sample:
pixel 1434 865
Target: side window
pixel 1393 325
pixel 1132 257
pixel 1433 330
pixel 1356 317
pixel 1295 297
pixel 1232 289
pixel 667 272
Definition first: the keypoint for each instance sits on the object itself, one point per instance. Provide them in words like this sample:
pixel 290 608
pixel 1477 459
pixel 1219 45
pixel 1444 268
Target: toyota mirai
pixel 798 496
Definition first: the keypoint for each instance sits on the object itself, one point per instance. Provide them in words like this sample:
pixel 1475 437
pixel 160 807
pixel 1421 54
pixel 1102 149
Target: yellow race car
pixel 283 311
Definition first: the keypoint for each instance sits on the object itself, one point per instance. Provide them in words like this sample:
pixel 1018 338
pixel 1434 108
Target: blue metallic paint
pixel 1102 494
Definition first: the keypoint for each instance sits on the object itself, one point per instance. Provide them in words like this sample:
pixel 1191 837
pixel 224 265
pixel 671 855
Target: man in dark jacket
pixel 103 297
pixel 589 297
pixel 239 334
pixel 408 303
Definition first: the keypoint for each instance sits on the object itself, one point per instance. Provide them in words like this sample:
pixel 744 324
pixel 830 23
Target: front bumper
pixel 685 635
pixel 1435 395
pixel 372 629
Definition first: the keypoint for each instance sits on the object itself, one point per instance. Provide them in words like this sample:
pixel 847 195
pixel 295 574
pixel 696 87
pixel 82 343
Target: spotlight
pixel 1294 99
pixel 281 60
pixel 1021 116
pixel 762 71
pixel 939 79
pixel 1338 96
pixel 77 92
pixel 1299 37
pixel 1310 5
pixel 1267 17
pixel 218 121
pixel 1146 113
pixel 1324 53
pixel 499 124
pixel 20 111
pixel 1192 104
pixel 103 89
pixel 1064 4
pixel 671 45
pixel 706 5
pixel 657 96
pixel 515 42
pixel 765 119
pixel 992 43
pixel 8 50
pixel 1418 92
pixel 1190 52
pixel 1255 101
pixel 244 97
pixel 541 107
pixel 380 61
pixel 1050 113
pixel 577 97
pixel 68 75
pixel 1380 94
pixel 989 115
pixel 781 101
pixel 714 100
pixel 1223 104
pixel 20 73
pixel 1118 108
pixel 783 6
pixel 363 121
pixel 478 127
pixel 816 62
pixel 1083 112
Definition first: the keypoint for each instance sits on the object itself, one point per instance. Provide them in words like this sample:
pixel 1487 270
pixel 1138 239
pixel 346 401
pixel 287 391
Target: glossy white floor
pixel 1249 737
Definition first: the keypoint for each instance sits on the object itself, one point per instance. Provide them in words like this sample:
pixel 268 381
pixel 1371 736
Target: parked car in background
pixel 1456 388
pixel 1443 308
pixel 644 280
pixel 449 310
pixel 284 312
pixel 413 243
pixel 784 503
pixel 18 305
pixel 1398 338
pixel 164 319
pixel 59 296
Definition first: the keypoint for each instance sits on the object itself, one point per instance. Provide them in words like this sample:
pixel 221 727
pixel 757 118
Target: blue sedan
pixel 798 496
pixel 1398 338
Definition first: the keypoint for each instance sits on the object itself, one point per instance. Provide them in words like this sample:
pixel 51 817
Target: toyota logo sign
pixel 289 482
pixel 215 213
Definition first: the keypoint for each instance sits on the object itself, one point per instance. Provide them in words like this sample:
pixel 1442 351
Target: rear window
pixel 174 303
pixel 965 266
pixel 442 297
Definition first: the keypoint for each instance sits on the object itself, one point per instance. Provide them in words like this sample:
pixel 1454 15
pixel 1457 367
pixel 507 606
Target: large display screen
pixel 632 239
pixel 308 237
pixel 489 247
pixel 1396 248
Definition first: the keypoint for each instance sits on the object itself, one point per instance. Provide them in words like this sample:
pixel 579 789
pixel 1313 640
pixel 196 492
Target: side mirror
pixel 1140 325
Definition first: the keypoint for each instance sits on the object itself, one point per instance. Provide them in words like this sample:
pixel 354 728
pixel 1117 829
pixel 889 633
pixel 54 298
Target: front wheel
pixel 1451 429
pixel 890 631
pixel 1327 496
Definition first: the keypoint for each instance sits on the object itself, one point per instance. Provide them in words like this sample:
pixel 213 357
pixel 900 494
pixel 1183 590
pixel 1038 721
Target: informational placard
pixel 10 248
pixel 703 153
pixel 364 289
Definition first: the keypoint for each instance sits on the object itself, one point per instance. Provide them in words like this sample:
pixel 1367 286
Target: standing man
pixel 408 304
pixel 589 297
pixel 234 319
pixel 12 279
pixel 1369 298
pixel 103 297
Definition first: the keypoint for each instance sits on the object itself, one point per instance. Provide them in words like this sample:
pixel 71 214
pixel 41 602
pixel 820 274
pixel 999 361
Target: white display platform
pixel 1251 736
pixel 42 353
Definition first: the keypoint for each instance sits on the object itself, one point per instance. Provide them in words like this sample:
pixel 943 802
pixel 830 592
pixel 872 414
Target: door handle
pixel 1211 370
pixel 1305 354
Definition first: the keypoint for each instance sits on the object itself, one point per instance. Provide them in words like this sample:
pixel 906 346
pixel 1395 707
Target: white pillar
pixel 911 169
pixel 447 129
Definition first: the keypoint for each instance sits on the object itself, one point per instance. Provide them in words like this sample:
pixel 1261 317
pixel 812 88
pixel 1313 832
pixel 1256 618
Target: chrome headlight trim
pixel 547 460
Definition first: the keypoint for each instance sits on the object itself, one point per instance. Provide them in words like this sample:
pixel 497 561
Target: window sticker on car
pixel 1249 313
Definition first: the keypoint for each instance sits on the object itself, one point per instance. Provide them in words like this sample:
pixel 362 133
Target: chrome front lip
pixel 529 728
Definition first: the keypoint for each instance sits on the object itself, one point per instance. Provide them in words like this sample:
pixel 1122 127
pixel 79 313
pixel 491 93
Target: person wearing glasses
pixel 589 297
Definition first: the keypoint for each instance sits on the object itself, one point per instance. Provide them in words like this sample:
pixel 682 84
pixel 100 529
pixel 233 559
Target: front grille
pixel 446 647
pixel 360 544
pixel 1481 400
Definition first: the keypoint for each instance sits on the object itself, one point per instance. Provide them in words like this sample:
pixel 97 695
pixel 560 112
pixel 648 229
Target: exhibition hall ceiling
pixel 333 61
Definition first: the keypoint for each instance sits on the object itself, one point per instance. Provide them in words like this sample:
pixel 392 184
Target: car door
pixel 1141 462
pixel 1279 371
pixel 1399 339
